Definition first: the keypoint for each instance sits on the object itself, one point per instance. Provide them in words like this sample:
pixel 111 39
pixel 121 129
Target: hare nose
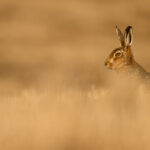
pixel 106 63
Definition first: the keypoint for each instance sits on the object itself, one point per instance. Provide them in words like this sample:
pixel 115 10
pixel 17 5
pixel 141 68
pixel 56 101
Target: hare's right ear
pixel 120 36
pixel 128 36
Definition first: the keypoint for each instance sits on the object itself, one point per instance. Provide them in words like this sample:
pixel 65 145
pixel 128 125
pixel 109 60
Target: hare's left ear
pixel 120 36
pixel 128 36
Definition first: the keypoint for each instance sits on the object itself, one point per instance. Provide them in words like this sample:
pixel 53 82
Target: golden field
pixel 55 93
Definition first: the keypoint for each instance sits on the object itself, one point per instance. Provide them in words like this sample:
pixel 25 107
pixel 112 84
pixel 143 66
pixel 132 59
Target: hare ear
pixel 120 36
pixel 128 36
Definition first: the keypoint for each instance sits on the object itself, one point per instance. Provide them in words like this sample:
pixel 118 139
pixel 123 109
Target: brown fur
pixel 122 60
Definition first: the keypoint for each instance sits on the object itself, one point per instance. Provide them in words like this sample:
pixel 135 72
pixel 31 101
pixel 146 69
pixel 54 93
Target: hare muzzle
pixel 109 64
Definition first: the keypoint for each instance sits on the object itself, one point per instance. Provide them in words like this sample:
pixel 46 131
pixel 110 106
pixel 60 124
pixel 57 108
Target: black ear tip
pixel 129 27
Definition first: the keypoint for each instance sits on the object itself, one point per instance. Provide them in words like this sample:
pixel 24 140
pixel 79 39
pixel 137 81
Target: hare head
pixel 122 56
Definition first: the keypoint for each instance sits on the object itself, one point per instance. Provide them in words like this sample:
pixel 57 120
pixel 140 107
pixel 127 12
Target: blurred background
pixel 67 41
pixel 53 82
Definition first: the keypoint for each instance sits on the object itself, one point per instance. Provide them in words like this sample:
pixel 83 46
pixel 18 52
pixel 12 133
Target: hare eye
pixel 118 54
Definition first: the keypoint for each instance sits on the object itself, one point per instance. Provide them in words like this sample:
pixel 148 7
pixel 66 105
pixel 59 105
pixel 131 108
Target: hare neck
pixel 132 68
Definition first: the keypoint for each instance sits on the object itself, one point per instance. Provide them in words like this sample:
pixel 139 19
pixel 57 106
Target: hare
pixel 122 60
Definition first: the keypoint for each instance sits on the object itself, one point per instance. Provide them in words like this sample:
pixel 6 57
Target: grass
pixel 115 117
